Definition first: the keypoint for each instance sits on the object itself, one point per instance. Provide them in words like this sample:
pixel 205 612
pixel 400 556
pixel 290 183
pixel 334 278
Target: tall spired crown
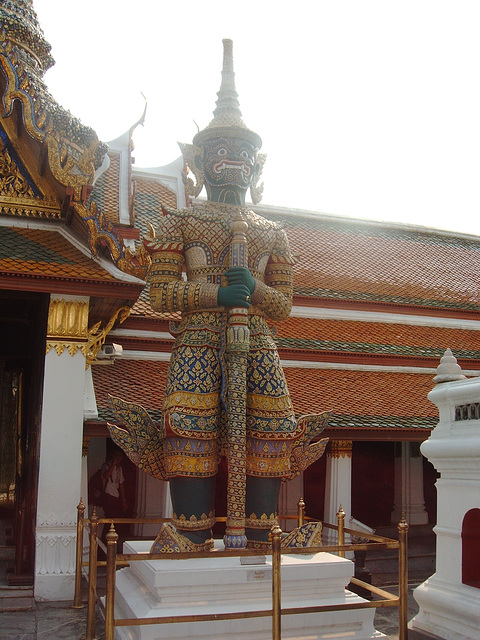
pixel 227 121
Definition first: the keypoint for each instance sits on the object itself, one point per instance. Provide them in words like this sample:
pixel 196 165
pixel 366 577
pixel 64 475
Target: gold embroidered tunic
pixel 190 255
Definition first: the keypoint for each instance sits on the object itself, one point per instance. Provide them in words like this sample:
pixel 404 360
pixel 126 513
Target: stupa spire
pixel 20 22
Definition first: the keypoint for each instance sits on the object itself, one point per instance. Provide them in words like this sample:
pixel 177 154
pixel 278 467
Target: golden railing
pixel 115 560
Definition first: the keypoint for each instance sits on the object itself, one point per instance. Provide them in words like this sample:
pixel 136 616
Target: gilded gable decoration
pixel 71 150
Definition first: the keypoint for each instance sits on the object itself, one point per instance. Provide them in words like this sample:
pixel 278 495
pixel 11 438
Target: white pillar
pixel 338 485
pixel 61 432
pixel 409 496
pixel 153 501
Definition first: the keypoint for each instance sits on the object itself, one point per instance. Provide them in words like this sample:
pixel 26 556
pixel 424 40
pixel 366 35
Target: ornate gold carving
pixel 193 523
pixel 85 445
pixel 189 152
pixel 341 449
pixel 262 522
pixel 12 182
pixel 68 319
pixel 71 347
pixel 96 336
pixel 256 191
pixel 101 231
pixel 30 208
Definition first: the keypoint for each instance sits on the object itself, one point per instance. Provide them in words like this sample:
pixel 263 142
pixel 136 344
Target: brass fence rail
pixel 115 560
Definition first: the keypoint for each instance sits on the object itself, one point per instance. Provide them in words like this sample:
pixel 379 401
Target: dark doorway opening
pixel 23 327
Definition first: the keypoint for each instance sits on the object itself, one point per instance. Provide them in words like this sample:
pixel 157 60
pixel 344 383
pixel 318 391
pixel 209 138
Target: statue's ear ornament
pixel 189 152
pixel 256 191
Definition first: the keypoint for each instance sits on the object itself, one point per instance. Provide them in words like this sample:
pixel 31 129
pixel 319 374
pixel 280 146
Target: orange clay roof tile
pixel 356 398
pixel 376 337
pixel 354 260
pixel 106 190
pixel 46 253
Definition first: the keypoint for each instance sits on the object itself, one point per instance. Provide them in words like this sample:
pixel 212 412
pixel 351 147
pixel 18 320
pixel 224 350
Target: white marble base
pixel 447 611
pixel 218 585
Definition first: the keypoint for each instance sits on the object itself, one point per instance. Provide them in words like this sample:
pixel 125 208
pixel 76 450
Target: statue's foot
pixel 308 535
pixel 169 540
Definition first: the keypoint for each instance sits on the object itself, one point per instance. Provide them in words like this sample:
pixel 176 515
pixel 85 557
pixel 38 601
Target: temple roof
pixel 41 253
pixel 363 403
pixel 318 335
pixel 344 259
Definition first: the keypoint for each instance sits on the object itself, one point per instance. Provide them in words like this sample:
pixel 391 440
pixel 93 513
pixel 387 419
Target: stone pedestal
pixel 155 588
pixel 449 605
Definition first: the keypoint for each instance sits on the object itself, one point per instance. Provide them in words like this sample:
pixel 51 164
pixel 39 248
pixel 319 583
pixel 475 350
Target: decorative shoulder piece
pixel 189 152
pixel 256 192
pixel 140 438
pixel 305 451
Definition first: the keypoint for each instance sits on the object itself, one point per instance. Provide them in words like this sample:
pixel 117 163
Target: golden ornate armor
pixel 198 239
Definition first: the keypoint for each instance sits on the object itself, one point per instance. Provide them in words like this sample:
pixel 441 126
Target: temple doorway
pixel 23 325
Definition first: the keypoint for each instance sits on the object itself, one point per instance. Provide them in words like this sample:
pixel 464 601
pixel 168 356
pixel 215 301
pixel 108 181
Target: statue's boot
pixel 260 510
pixel 193 501
pixel 170 541
pixel 308 535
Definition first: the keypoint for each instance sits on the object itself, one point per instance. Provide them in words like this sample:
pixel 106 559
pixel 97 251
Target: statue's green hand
pixel 234 295
pixel 241 275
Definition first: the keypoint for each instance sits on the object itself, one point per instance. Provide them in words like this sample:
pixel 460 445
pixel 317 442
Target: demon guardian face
pixel 228 167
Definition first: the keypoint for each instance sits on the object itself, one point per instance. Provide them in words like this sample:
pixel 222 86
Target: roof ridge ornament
pixel 227 119
pixel 448 370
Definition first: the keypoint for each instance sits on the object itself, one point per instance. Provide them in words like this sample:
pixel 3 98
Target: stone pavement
pixel 58 621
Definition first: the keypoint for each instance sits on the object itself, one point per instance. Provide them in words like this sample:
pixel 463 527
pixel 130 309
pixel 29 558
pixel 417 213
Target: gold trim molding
pixel 341 449
pixel 71 347
pixel 68 319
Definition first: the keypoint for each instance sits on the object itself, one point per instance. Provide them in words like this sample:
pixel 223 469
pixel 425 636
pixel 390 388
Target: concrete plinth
pixel 155 588
pixel 447 611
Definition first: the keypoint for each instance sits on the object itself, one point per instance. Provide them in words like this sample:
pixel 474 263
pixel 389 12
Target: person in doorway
pixel 114 499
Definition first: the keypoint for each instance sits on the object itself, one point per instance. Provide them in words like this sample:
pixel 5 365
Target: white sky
pixel 367 108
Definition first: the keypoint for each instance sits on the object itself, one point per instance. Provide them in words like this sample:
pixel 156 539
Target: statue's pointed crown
pixel 227 121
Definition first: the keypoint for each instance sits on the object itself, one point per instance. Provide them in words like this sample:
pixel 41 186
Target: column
pixel 152 501
pixel 61 431
pixel 338 485
pixel 290 494
pixel 409 496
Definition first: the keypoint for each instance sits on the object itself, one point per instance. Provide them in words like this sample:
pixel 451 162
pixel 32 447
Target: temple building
pixel 375 307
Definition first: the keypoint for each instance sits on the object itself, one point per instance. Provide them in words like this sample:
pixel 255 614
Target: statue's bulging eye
pixel 222 152
pixel 245 154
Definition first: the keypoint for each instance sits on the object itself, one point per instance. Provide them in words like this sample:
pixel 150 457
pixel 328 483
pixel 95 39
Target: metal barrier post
pixel 112 538
pixel 301 513
pixel 92 577
pixel 276 535
pixel 341 529
pixel 403 579
pixel 77 598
